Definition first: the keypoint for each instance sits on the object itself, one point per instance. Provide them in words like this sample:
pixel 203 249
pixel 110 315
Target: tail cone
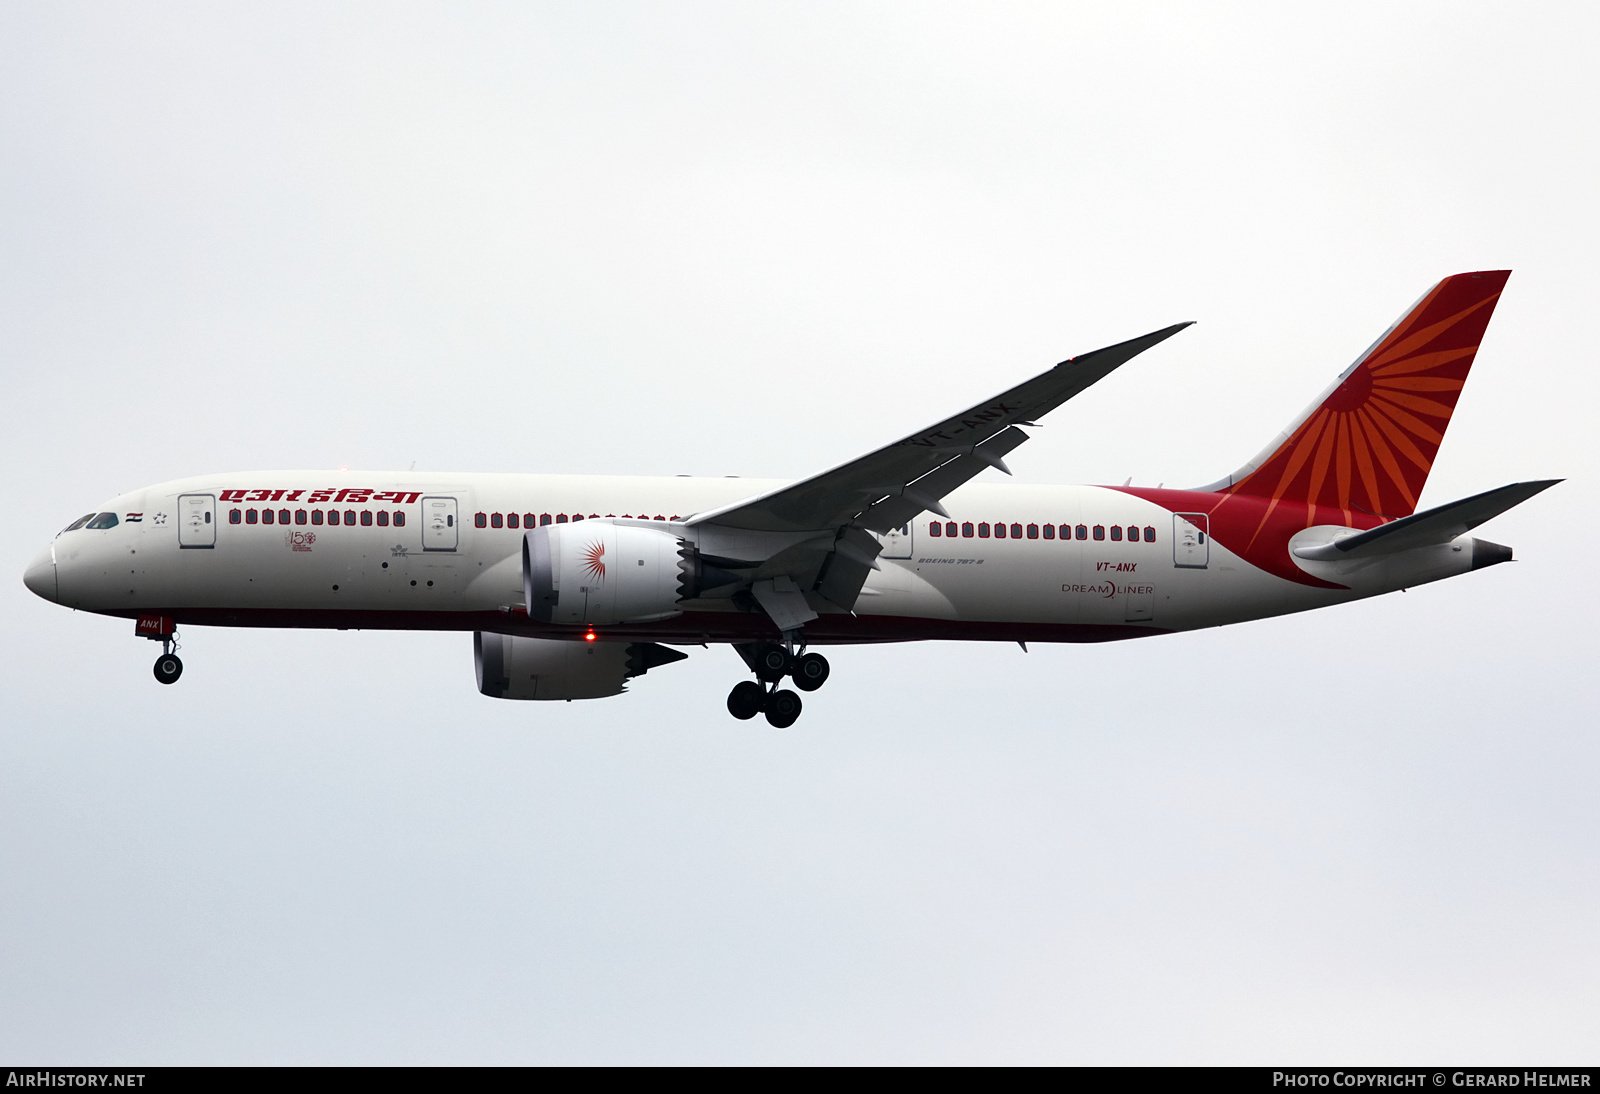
pixel 1485 553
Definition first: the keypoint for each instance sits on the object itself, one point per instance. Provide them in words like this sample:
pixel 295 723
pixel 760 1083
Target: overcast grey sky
pixel 760 239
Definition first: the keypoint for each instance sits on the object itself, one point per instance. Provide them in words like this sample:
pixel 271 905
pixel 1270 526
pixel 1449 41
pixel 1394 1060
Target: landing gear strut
pixel 771 663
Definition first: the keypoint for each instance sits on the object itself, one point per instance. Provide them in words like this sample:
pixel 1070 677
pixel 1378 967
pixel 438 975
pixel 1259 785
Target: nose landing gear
pixel 771 663
pixel 168 667
pixel 160 628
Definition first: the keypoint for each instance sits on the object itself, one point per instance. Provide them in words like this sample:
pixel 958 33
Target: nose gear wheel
pixel 168 668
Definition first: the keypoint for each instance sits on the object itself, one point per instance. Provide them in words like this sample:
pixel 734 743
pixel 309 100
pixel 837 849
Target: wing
pixel 888 487
pixel 805 547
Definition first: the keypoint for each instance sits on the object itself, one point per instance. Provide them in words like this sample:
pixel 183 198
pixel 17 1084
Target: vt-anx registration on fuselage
pixel 572 585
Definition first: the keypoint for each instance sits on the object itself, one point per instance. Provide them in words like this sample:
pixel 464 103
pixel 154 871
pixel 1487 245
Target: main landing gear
pixel 771 663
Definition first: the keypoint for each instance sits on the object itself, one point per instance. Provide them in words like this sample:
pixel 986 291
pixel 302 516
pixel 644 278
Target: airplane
pixel 574 585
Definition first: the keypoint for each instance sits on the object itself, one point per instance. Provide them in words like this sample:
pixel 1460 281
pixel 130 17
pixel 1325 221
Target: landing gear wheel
pixel 168 668
pixel 783 707
pixel 771 663
pixel 810 672
pixel 746 700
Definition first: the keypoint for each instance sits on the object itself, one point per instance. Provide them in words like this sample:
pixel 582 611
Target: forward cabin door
pixel 1191 546
pixel 440 524
pixel 897 542
pixel 197 520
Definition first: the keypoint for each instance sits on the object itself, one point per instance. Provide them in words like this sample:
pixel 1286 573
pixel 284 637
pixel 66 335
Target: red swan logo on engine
pixel 595 561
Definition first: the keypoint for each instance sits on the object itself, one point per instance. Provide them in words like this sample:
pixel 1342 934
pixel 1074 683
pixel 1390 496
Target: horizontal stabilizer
pixel 1429 527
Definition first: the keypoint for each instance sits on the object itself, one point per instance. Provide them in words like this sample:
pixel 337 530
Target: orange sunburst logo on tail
pixel 1371 443
pixel 594 561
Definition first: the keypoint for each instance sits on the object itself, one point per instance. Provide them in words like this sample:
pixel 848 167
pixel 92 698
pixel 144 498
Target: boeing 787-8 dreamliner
pixel 572 585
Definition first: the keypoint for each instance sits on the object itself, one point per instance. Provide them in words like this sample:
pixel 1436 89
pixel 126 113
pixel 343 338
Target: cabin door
pixel 197 520
pixel 440 524
pixel 897 542
pixel 1191 546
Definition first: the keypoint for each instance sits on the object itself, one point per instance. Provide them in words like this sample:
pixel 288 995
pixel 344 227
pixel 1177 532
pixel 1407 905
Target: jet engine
pixel 513 667
pixel 597 572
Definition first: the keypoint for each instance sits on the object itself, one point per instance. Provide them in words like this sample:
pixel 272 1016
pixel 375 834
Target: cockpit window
pixel 103 520
pixel 79 523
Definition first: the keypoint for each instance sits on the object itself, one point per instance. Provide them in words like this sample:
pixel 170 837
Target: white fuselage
pixel 413 555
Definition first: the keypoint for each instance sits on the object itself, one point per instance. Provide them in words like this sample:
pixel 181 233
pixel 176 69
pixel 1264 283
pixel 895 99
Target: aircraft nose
pixel 40 576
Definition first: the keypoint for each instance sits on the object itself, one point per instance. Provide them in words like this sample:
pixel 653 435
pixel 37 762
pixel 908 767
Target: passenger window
pixel 495 521
pixel 950 529
pixel 1033 531
pixel 299 516
pixel 1083 531
pixel 266 516
pixel 544 518
pixel 936 529
pixel 512 520
pixel 999 531
pixel 316 516
pixel 530 520
pixel 1016 531
pixel 966 529
pixel 283 516
pixel 1099 531
pixel 481 520
pixel 1049 531
pixel 350 516
pixel 383 518
pixel 79 523
pixel 1149 534
pixel 250 516
pixel 561 518
pixel 1116 533
pixel 234 516
pixel 399 519
pixel 366 517
pixel 983 530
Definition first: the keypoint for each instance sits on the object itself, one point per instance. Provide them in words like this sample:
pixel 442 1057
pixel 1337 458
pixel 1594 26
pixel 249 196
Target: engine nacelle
pixel 598 572
pixel 514 667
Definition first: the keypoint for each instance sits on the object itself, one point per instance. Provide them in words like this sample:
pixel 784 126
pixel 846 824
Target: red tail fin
pixel 1371 441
